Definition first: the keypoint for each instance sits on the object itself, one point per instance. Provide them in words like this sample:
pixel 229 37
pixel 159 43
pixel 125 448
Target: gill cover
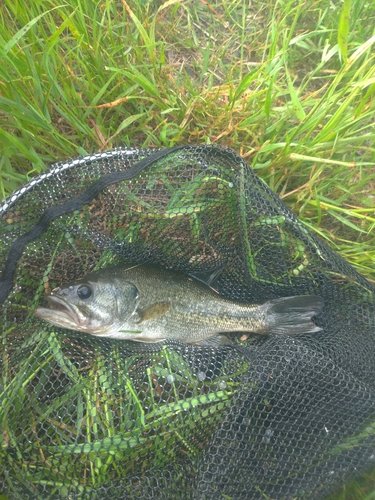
pixel 92 306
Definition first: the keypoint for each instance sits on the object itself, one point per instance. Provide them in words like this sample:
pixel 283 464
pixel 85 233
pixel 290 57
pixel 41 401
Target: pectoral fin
pixel 152 312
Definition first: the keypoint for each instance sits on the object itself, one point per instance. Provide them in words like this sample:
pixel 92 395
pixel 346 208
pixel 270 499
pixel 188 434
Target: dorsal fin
pixel 208 277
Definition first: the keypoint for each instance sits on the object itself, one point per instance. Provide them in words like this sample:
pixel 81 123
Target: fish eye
pixel 84 292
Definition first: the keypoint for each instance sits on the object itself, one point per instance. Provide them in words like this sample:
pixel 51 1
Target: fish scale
pixel 147 304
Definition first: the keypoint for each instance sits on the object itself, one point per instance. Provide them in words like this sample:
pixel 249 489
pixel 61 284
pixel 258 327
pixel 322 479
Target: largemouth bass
pixel 146 304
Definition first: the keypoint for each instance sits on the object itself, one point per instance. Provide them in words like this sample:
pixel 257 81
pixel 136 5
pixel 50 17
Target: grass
pixel 283 83
pixel 123 416
pixel 288 84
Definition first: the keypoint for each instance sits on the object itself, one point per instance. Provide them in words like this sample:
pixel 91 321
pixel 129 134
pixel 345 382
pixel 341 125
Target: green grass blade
pixel 343 30
pixel 22 32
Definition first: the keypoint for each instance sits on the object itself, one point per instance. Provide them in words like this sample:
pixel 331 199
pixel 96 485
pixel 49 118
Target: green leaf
pixel 18 144
pixel 301 115
pixel 22 32
pixel 108 445
pixel 343 30
pixel 127 122
pixel 244 85
pixel 346 221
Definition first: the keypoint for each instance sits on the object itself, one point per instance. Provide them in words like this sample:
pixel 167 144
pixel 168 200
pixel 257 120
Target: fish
pixel 143 303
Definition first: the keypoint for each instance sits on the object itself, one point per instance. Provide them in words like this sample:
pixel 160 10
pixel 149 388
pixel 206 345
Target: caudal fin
pixel 292 315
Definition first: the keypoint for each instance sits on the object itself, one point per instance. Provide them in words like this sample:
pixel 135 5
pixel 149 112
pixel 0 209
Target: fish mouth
pixel 62 313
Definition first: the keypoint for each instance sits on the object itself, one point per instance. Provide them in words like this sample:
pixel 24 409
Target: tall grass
pixel 289 84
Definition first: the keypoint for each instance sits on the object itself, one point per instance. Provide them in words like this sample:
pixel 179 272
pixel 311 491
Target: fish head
pixel 95 306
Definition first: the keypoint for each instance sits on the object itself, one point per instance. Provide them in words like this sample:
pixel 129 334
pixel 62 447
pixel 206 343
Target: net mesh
pixel 83 417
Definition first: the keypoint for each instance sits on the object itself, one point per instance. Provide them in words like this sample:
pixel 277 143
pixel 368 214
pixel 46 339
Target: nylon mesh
pixel 83 417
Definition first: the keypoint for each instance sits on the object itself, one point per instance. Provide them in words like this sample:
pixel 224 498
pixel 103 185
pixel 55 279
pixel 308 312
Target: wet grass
pixel 122 416
pixel 288 84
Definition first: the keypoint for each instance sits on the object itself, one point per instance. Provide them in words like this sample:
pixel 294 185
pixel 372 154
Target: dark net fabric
pixel 283 417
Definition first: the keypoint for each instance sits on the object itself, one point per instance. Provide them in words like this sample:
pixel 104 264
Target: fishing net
pixel 282 417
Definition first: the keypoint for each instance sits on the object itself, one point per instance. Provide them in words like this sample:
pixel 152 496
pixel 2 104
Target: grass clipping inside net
pixel 86 417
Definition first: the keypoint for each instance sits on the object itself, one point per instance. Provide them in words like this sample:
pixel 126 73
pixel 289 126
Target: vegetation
pixel 112 418
pixel 289 84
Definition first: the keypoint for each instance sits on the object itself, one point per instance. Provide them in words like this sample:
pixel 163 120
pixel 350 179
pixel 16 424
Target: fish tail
pixel 292 315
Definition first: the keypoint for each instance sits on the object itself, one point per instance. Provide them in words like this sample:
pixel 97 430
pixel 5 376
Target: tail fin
pixel 292 315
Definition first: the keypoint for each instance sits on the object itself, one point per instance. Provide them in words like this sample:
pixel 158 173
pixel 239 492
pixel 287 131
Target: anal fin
pixel 216 341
